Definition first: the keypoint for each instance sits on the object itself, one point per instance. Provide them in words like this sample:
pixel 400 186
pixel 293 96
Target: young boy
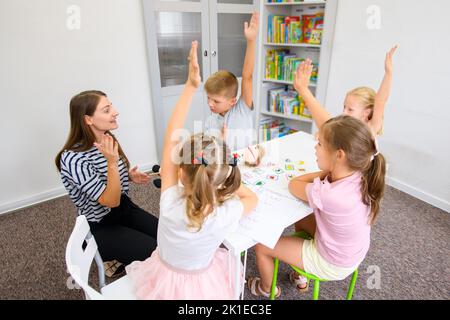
pixel 232 118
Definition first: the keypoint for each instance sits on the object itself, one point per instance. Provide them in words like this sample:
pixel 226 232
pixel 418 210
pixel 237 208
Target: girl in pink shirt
pixel 345 198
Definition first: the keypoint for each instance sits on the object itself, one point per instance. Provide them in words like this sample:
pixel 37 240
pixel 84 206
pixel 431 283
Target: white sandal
pixel 254 285
pixel 113 269
pixel 299 282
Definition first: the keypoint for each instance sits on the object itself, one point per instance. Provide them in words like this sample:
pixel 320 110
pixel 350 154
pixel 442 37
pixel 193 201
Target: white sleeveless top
pixel 189 249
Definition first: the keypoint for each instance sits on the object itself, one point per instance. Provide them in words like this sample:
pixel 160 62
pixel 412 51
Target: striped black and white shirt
pixel 84 175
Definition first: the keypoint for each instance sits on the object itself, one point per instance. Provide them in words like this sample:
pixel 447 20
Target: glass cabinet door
pixel 174 32
pixel 228 44
pixel 231 41
pixel 171 26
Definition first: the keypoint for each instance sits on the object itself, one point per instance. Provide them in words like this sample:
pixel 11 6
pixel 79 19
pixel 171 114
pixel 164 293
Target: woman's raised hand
pixel 109 148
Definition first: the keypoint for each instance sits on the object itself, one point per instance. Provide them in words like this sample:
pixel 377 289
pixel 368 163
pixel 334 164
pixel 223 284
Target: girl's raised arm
pixel 383 94
pixel 169 165
pixel 301 84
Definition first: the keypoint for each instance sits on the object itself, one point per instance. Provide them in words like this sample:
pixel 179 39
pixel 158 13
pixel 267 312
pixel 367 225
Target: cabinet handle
pixel 205 53
pixel 214 53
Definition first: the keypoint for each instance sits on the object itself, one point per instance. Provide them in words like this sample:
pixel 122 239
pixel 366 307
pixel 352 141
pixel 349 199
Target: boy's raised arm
pixel 250 32
pixel 169 167
pixel 301 84
pixel 383 94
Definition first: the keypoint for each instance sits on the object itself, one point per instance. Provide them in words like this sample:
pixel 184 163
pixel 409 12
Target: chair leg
pixel 101 270
pixel 274 279
pixel 352 285
pixel 316 290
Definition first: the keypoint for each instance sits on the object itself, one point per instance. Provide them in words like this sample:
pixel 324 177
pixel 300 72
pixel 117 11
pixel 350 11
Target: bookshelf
pixel 291 31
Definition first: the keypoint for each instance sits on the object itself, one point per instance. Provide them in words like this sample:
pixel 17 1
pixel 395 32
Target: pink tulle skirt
pixel 154 279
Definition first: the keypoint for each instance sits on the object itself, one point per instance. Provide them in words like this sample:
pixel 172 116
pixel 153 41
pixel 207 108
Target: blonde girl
pixel 362 103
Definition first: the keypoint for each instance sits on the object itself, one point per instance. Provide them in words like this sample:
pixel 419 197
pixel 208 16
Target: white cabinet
pixel 171 26
pixel 291 31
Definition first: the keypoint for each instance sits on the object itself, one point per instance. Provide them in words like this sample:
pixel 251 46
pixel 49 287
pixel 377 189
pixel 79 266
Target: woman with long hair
pixel 96 172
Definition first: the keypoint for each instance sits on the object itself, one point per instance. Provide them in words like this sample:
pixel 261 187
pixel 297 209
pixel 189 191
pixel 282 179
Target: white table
pixel 294 147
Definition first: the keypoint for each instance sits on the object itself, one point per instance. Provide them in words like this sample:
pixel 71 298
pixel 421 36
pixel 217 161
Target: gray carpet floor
pixel 409 256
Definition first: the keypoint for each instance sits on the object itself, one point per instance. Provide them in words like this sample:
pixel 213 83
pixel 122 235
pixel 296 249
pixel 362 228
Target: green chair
pixel 309 276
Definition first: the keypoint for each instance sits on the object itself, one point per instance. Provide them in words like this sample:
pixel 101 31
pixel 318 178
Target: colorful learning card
pixel 260 183
pixel 289 167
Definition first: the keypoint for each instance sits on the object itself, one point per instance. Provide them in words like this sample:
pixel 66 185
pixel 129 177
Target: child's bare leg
pixel 287 249
pixel 307 224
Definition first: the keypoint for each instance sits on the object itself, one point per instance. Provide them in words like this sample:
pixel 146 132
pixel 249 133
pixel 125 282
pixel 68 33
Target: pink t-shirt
pixel 343 230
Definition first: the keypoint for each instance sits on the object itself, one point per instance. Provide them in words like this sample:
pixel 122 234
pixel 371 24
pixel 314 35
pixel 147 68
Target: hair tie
pixel 199 159
pixel 234 161
pixel 232 164
pixel 376 149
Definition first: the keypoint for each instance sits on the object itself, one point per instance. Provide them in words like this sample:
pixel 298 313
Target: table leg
pixel 237 276
pixel 243 276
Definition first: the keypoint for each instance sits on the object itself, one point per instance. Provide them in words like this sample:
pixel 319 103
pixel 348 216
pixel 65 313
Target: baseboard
pixel 419 194
pixel 45 196
pixel 33 200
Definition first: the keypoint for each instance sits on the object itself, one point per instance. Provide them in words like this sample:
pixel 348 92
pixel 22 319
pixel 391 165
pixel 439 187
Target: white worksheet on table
pixel 270 180
pixel 274 200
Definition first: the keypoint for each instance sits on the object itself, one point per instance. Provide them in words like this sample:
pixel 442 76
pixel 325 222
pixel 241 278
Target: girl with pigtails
pixel 202 201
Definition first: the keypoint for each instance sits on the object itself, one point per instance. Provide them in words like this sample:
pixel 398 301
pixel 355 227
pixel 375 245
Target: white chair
pixel 79 262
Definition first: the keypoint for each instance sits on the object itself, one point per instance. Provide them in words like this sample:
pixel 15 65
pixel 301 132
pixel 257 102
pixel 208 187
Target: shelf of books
pixel 300 45
pixel 286 82
pixel 292 32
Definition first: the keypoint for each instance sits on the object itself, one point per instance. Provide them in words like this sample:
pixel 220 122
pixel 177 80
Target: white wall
pixel 43 64
pixel 416 139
